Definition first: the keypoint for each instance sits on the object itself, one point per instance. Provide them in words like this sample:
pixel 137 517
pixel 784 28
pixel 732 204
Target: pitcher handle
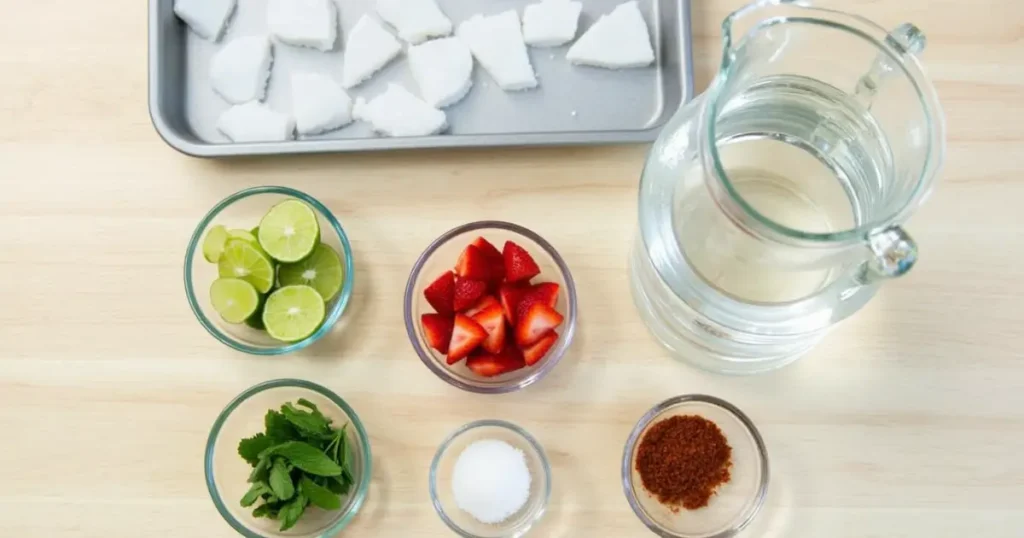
pixel 895 253
pixel 905 39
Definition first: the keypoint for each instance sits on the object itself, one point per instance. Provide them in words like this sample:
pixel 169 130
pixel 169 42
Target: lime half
pixel 214 242
pixel 292 313
pixel 245 260
pixel 289 231
pixel 321 270
pixel 234 299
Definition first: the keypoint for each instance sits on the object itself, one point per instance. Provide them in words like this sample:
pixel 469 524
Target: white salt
pixel 491 481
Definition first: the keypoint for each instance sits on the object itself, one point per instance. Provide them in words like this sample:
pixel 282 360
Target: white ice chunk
pixel 396 112
pixel 415 20
pixel 369 48
pixel 304 23
pixel 240 70
pixel 617 40
pixel 551 23
pixel 319 104
pixel 443 69
pixel 497 43
pixel 255 122
pixel 207 18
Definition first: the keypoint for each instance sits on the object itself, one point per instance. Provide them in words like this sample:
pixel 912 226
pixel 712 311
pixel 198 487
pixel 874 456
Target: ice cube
pixel 396 112
pixel 304 23
pixel 617 40
pixel 369 48
pixel 551 23
pixel 415 20
pixel 207 18
pixel 255 122
pixel 319 104
pixel 443 69
pixel 497 43
pixel 240 70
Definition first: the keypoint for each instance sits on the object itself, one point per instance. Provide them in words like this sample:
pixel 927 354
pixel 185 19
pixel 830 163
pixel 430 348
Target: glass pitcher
pixel 771 206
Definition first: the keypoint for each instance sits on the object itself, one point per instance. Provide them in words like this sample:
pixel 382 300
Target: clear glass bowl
pixel 226 471
pixel 441 480
pixel 244 209
pixel 441 256
pixel 735 504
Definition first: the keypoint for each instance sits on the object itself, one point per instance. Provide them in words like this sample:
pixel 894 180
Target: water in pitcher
pixel 801 154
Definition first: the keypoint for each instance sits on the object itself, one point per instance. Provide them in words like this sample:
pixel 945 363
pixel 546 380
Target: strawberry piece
pixel 519 265
pixel 495 261
pixel 438 331
pixel 495 364
pixel 482 304
pixel 493 321
pixel 544 293
pixel 466 336
pixel 441 294
pixel 539 319
pixel 511 295
pixel 534 353
pixel 467 293
pixel 473 264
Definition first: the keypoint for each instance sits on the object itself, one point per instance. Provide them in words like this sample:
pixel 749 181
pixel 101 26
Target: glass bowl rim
pixel 340 304
pixel 740 522
pixel 489 423
pixel 549 363
pixel 359 497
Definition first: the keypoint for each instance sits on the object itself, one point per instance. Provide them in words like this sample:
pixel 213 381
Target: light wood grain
pixel 907 422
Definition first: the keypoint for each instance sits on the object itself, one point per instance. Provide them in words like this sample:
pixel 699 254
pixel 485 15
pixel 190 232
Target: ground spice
pixel 682 460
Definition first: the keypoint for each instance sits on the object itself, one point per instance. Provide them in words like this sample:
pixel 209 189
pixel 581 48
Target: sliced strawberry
pixel 482 304
pixel 495 261
pixel 466 336
pixel 473 264
pixel 511 295
pixel 441 294
pixel 493 321
pixel 438 331
pixel 495 364
pixel 539 319
pixel 544 293
pixel 519 265
pixel 534 353
pixel 467 293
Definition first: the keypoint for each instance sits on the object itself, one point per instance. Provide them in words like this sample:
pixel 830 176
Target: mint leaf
pixel 278 428
pixel 305 457
pixel 308 424
pixel 338 484
pixel 250 448
pixel 319 495
pixel 306 403
pixel 280 481
pixel 263 510
pixel 259 473
pixel 251 496
pixel 291 512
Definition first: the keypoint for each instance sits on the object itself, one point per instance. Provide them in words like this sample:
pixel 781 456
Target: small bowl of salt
pixel 490 479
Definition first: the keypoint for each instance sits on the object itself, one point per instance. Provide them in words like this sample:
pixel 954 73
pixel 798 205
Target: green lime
pixel 322 270
pixel 213 243
pixel 289 231
pixel 255 231
pixel 293 313
pixel 244 235
pixel 234 299
pixel 244 260
pixel 256 319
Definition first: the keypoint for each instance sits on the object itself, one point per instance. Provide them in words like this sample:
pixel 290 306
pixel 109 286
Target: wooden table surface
pixel 907 422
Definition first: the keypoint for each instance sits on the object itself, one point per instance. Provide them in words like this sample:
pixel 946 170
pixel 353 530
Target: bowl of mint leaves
pixel 288 458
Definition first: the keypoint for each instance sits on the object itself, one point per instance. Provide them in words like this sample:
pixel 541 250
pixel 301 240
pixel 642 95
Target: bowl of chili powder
pixel 695 467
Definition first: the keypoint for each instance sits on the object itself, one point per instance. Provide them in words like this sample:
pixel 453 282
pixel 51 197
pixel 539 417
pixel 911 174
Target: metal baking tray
pixel 572 105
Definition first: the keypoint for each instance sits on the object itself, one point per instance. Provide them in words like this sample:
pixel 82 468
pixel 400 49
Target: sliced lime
pixel 213 243
pixel 234 299
pixel 256 319
pixel 244 235
pixel 322 270
pixel 289 231
pixel 293 313
pixel 244 260
pixel 255 231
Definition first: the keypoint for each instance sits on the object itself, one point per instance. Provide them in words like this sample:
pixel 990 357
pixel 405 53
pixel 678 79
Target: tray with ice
pixel 238 77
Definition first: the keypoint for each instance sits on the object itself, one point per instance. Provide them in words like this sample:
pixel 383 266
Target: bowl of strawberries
pixel 490 307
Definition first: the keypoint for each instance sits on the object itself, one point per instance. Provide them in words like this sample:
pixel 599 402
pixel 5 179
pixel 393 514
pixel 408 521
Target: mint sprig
pixel 299 460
